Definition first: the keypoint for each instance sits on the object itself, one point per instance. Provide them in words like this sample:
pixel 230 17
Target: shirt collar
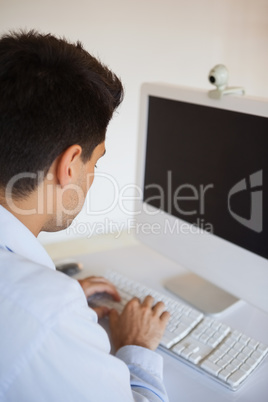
pixel 16 237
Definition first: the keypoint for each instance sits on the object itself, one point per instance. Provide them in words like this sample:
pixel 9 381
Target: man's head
pixel 53 96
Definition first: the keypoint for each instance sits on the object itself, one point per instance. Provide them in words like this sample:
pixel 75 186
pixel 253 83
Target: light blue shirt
pixel 52 348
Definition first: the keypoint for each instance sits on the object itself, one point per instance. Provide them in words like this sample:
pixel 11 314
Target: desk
pixel 135 260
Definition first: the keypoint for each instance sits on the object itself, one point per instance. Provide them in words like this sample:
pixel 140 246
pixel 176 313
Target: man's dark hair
pixel 53 94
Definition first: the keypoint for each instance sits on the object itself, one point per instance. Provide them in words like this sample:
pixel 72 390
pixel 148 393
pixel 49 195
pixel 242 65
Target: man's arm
pixel 135 334
pixel 146 373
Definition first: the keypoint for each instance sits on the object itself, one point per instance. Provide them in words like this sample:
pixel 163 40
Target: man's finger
pixel 159 308
pixel 99 287
pixel 165 316
pixel 97 279
pixel 90 287
pixel 148 301
pixel 113 317
pixel 101 311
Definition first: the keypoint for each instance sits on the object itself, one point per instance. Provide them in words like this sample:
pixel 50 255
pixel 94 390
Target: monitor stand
pixel 201 294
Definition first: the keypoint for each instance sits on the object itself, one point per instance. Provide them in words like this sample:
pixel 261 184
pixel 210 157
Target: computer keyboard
pixel 224 354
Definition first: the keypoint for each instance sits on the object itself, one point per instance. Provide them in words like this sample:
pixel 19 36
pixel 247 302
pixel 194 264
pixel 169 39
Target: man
pixel 56 101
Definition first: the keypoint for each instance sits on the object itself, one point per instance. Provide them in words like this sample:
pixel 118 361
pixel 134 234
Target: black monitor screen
pixel 209 167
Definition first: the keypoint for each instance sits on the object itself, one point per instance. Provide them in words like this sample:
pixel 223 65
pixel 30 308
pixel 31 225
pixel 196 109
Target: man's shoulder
pixel 38 289
pixel 43 317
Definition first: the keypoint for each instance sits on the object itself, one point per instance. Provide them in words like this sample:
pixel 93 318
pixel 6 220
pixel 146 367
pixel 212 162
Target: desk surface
pixel 135 260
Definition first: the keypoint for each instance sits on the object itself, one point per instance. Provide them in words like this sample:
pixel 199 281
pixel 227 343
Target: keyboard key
pixel 244 339
pixel 236 378
pixel 247 351
pixel 253 343
pixel 246 367
pixel 224 361
pixel 242 356
pixel 238 346
pixel 224 349
pixel 231 367
pixel 262 348
pixel 257 356
pixel 181 330
pixel 190 350
pixel 188 321
pixel 204 337
pixel 210 367
pixel 196 357
pixel 196 315
pixel 167 340
pixel 236 335
pixel 178 348
pixel 224 374
pixel 251 362
pixel 233 353
pixel 216 355
pixel 230 342
pixel 215 340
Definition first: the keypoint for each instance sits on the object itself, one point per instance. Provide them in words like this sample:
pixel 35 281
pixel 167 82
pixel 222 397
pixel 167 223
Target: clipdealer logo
pixel 255 222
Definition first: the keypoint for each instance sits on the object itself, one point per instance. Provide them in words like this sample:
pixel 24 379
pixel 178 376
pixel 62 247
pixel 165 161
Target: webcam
pixel 218 76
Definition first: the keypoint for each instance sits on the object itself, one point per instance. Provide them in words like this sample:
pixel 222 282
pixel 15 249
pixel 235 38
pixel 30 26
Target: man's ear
pixel 68 165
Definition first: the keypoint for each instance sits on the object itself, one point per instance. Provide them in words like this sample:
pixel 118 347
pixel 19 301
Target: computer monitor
pixel 203 173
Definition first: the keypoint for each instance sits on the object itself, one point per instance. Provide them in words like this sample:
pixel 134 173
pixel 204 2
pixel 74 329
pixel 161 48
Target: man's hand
pixel 139 324
pixel 98 284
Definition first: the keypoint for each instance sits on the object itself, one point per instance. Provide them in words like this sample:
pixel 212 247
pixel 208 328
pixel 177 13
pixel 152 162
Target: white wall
pixel 175 41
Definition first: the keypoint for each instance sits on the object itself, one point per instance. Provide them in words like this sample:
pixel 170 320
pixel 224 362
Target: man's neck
pixel 26 211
